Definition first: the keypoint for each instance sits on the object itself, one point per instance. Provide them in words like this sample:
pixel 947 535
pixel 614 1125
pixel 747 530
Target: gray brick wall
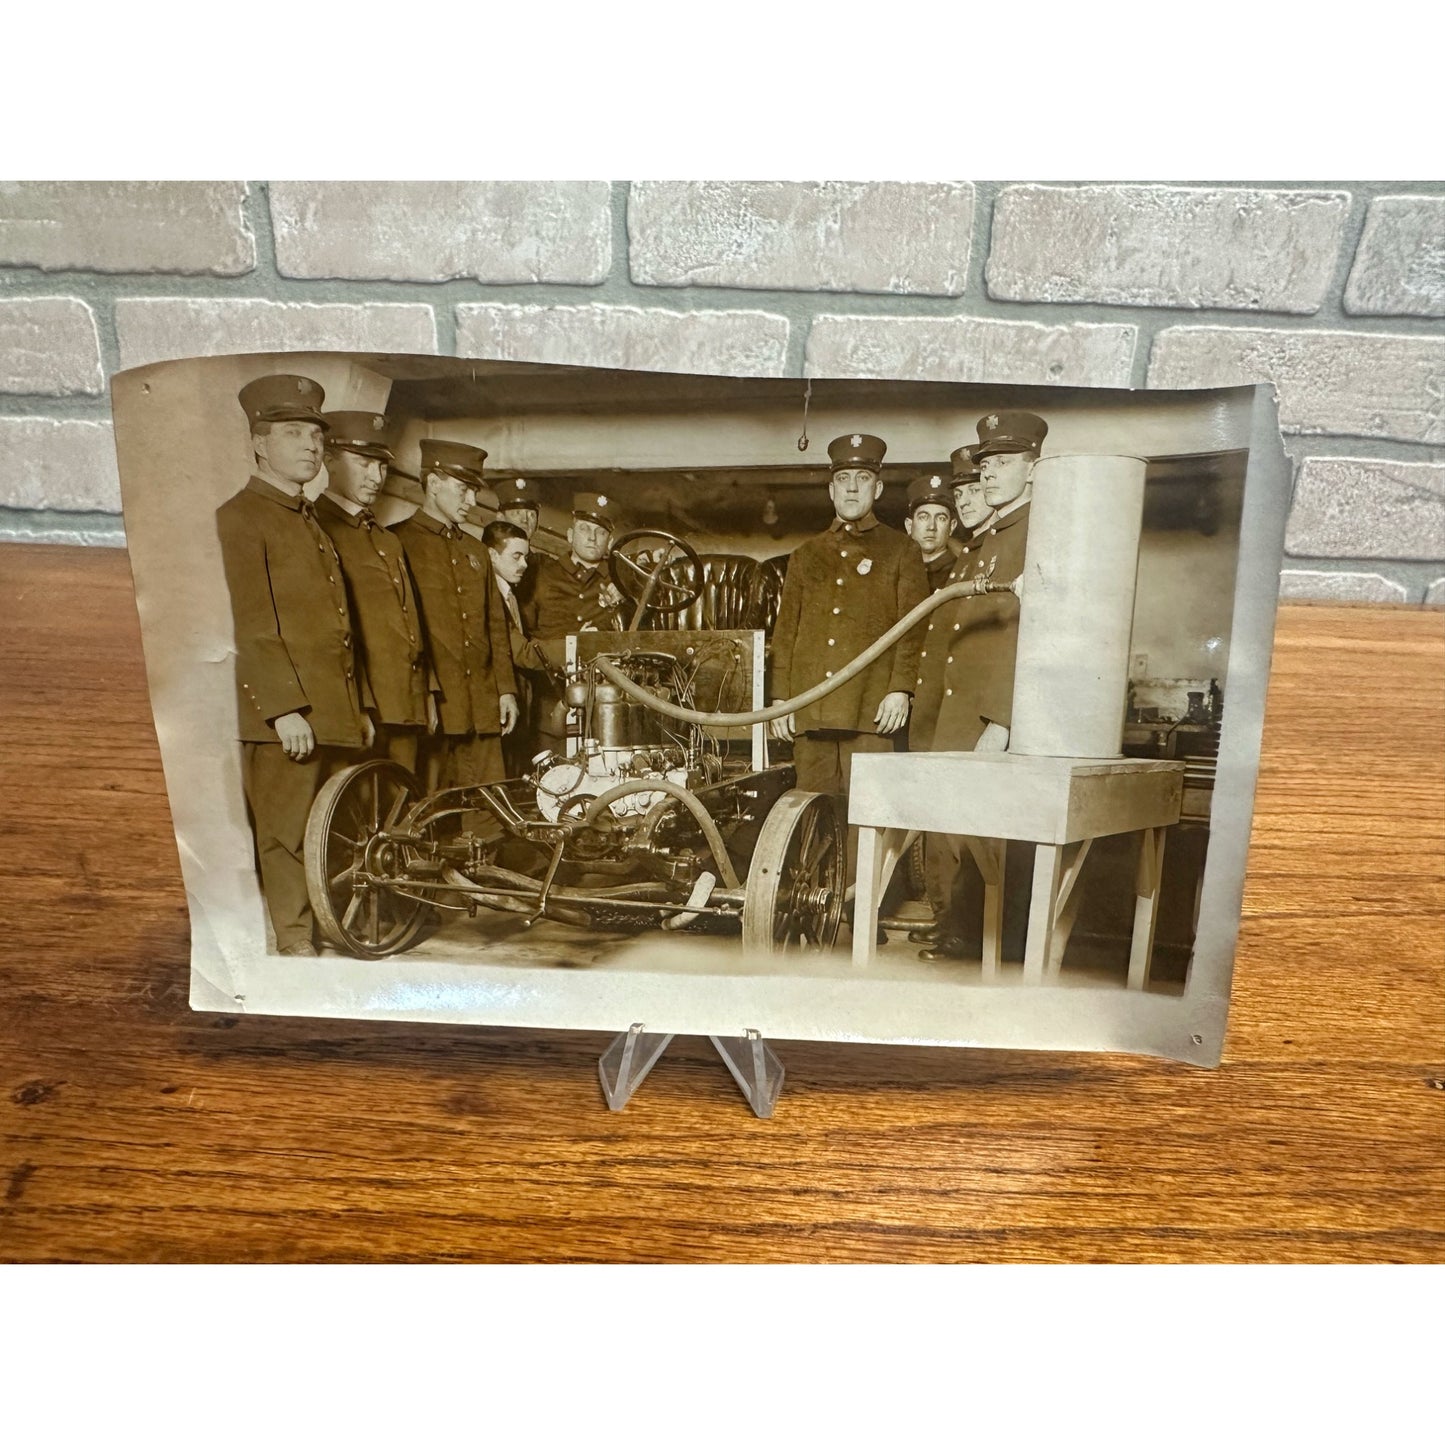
pixel 1334 291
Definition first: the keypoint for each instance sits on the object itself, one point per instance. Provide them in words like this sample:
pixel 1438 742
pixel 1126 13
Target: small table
pixel 1059 804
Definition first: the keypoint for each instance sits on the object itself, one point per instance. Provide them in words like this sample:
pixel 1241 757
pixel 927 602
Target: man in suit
pixel 532 664
pixel 844 589
pixel 383 600
pixel 301 688
pixel 966 669
pixel 520 503
pixel 571 594
pixel 465 624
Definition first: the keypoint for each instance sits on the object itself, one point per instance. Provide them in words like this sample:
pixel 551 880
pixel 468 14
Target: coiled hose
pixel 850 670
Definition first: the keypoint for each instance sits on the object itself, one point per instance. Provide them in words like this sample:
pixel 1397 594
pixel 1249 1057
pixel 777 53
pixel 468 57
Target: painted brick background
pixel 1334 291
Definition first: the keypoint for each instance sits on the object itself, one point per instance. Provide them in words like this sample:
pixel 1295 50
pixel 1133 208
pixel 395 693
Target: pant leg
pixel 472 760
pixel 815 759
pixel 401 744
pixel 280 793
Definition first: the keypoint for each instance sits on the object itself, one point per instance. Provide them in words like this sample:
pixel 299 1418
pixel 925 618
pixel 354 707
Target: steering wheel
pixel 643 572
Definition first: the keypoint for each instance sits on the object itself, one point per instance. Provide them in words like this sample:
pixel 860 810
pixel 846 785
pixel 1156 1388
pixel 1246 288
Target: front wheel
pixel 351 862
pixel 798 877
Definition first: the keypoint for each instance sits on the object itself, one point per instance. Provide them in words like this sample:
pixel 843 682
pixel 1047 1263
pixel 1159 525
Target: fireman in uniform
pixel 379 584
pixel 463 618
pixel 930 522
pixel 844 589
pixel 966 668
pixel 300 686
pixel 571 594
pixel 520 503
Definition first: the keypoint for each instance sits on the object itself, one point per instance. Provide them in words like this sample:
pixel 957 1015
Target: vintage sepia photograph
pixel 888 711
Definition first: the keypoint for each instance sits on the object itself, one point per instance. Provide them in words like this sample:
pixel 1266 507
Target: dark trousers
pixel 824 763
pixel 824 760
pixel 466 761
pixel 401 744
pixel 955 891
pixel 279 793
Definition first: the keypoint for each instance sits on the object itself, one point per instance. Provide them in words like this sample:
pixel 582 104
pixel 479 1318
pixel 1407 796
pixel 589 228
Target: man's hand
pixel 609 596
pixel 433 717
pixel 368 730
pixel 510 712
pixel 296 736
pixel 892 712
pixel 784 729
pixel 993 739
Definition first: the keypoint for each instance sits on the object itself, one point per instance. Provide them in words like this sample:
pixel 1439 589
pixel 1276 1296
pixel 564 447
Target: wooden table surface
pixel 134 1129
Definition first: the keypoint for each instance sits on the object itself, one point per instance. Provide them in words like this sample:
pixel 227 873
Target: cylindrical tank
pixel 1071 677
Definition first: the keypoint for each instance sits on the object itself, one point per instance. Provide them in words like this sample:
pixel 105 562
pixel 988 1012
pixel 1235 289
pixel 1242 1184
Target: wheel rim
pixel 347 846
pixel 796 884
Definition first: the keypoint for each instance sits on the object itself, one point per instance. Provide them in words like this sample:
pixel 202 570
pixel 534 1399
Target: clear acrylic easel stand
pixel 629 1058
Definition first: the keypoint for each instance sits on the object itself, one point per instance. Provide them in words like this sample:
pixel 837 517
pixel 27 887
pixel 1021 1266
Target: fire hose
pixel 846 673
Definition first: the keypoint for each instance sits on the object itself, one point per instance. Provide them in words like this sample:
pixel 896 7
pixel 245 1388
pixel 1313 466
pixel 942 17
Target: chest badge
pixel 476 565
pixel 865 566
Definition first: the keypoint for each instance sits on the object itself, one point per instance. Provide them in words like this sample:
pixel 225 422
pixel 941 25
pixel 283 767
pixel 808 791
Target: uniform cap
pixel 857 450
pixel 363 432
pixel 454 459
pixel 930 487
pixel 595 507
pixel 965 465
pixel 282 398
pixel 1009 431
pixel 518 493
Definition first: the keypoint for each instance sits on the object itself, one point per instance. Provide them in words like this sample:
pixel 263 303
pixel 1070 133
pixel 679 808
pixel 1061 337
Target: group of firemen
pixel 444 652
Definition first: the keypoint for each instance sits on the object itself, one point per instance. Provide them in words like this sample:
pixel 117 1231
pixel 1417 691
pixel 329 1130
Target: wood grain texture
pixel 134 1129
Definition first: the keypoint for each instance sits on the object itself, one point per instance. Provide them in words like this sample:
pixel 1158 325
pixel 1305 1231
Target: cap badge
pixel 300 385
pixel 377 422
pixel 520 484
pixel 865 566
pixel 935 481
pixel 601 501
pixel 991 421
pixel 855 440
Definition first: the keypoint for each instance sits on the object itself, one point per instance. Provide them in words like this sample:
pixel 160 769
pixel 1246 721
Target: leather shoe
pixel 298 950
pixel 927 934
pixel 946 946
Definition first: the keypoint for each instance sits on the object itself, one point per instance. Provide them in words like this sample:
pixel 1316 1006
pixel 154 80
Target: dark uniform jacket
pixel 844 589
pixel 563 598
pixel 464 622
pixel 383 603
pixel 295 650
pixel 943 564
pixel 965 676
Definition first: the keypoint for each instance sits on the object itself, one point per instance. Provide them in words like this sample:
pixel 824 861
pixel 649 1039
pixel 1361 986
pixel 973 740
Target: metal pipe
pixel 804 699
pixel 602 801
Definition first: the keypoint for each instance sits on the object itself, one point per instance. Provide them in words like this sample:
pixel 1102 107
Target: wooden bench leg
pixel 1048 873
pixel 989 854
pixel 1146 904
pixel 879 850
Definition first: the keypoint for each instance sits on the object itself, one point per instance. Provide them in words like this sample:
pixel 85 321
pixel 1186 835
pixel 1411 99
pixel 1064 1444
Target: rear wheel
pixel 799 873
pixel 351 862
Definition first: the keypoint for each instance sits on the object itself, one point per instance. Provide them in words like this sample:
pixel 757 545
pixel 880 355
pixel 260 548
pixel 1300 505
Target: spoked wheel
pixel 347 848
pixel 799 872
